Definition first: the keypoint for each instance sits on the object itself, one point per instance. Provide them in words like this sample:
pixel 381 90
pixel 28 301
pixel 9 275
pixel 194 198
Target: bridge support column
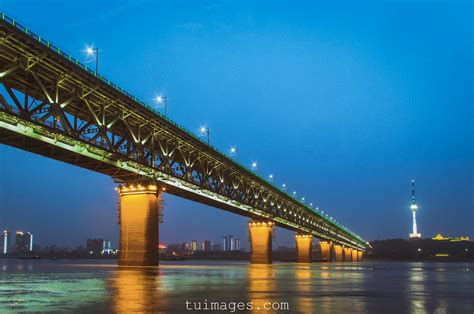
pixel 354 255
pixel 139 210
pixel 260 241
pixel 325 249
pixel 338 253
pixel 304 244
pixel 347 254
pixel 359 255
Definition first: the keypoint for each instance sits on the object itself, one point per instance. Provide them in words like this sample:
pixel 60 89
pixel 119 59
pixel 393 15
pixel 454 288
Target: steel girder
pixel 50 106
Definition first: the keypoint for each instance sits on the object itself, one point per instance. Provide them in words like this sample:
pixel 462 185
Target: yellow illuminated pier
pixel 261 241
pixel 338 255
pixel 347 254
pixel 325 249
pixel 304 247
pixel 139 217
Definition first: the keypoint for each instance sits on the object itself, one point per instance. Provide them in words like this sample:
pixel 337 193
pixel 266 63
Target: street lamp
pixel 283 186
pixel 254 166
pixel 233 151
pixel 91 51
pixel 204 130
pixel 270 178
pixel 162 100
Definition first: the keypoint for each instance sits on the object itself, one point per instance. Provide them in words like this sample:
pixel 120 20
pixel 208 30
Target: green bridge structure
pixel 53 105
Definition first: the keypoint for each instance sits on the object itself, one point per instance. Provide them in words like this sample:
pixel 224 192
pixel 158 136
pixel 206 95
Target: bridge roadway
pixel 53 105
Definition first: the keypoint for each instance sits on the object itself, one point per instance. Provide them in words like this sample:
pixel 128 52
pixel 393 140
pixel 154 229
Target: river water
pixel 233 287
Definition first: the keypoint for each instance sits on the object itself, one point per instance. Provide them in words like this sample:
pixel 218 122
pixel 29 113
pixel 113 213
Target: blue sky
pixel 344 102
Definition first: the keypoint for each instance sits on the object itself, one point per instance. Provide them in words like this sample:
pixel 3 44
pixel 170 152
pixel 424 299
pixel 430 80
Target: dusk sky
pixel 343 102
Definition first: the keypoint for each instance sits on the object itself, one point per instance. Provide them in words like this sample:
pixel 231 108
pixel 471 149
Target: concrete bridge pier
pixel 304 244
pixel 261 241
pixel 325 249
pixel 360 254
pixel 347 254
pixel 139 218
pixel 354 255
pixel 338 255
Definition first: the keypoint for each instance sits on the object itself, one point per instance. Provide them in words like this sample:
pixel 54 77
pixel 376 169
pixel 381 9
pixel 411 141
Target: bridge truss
pixel 53 105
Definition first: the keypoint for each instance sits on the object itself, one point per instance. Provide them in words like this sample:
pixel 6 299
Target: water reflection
pixel 416 287
pixel 377 287
pixel 305 295
pixel 136 289
pixel 261 286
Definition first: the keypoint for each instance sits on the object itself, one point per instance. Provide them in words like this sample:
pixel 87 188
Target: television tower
pixel 414 207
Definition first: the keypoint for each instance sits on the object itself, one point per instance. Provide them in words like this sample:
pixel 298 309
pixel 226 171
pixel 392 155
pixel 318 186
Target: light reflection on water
pixel 367 287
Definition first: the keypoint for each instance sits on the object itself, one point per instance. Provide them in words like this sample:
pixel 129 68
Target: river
pixel 236 286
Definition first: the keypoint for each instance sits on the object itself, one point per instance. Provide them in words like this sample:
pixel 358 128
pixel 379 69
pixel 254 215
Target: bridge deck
pixel 53 105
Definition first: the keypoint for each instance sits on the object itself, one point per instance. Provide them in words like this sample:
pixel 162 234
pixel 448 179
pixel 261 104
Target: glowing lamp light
pixel 90 51
pixel 159 99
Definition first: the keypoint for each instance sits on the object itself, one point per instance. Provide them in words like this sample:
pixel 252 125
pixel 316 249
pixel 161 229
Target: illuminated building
pixel 95 246
pixel 185 247
pixel 206 245
pixel 414 208
pixel 194 245
pixel 461 238
pixel 237 245
pixel 440 237
pixel 228 243
pixel 23 242
pixel 6 241
pixel 106 247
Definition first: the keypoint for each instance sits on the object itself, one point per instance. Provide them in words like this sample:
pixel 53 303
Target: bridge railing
pixel 82 66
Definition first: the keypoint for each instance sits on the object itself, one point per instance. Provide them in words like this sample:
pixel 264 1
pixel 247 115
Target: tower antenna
pixel 414 208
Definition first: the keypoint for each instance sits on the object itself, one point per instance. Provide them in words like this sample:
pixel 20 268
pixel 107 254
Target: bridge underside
pixel 39 147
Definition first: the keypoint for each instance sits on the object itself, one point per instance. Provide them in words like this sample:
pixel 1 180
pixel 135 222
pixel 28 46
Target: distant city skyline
pixel 343 110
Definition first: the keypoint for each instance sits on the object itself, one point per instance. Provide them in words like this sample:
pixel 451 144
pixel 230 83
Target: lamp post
pixel 204 130
pixel 233 151
pixel 254 166
pixel 91 51
pixel 270 178
pixel 162 100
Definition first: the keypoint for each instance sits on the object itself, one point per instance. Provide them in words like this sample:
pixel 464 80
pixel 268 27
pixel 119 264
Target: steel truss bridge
pixel 52 105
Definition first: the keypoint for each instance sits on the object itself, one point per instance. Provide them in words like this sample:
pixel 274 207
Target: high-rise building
pixel 23 242
pixel 414 208
pixel 237 245
pixel 206 245
pixel 106 247
pixel 95 246
pixel 228 243
pixel 194 245
pixel 6 242
pixel 216 247
pixel 185 247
